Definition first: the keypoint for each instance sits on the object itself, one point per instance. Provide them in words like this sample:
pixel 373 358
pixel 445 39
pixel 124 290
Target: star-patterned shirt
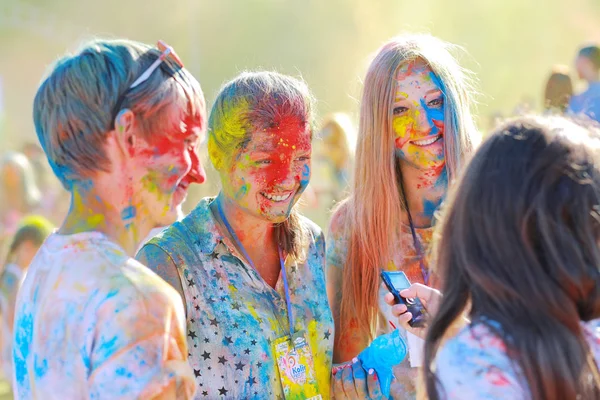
pixel 474 365
pixel 233 315
pixel 406 258
pixel 93 323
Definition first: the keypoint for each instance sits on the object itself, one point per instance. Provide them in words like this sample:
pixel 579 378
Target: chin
pixel 273 217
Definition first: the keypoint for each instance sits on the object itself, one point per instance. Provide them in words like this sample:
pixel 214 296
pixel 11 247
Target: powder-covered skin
pixel 474 365
pixel 92 323
pixel 231 322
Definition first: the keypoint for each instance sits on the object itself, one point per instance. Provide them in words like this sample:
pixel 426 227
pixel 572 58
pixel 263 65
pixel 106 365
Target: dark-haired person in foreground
pixel 518 256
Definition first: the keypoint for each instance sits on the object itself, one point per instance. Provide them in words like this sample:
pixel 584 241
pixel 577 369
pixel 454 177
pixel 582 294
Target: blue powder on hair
pixel 382 355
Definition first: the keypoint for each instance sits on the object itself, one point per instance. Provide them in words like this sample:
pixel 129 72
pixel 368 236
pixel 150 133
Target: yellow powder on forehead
pixel 400 95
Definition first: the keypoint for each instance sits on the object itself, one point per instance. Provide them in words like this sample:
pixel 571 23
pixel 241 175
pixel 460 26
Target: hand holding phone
pixel 396 281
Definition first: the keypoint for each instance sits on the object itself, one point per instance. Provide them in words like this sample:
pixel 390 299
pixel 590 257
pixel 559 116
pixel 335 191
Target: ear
pixel 125 132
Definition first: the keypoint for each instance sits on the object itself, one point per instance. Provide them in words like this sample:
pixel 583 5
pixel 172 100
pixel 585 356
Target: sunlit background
pixel 511 45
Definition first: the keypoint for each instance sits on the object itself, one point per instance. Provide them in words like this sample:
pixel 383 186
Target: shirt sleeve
pixel 475 366
pixel 139 347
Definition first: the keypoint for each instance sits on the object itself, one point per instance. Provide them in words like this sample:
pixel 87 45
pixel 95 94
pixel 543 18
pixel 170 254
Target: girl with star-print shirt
pixel 249 268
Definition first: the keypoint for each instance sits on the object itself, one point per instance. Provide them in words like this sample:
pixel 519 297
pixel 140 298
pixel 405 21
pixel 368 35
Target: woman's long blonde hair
pixel 375 207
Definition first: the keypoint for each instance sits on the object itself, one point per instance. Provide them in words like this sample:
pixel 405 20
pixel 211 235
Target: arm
pixel 350 343
pixel 139 346
pixel 162 264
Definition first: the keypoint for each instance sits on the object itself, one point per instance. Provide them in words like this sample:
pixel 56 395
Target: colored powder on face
pixel 382 355
pixel 243 190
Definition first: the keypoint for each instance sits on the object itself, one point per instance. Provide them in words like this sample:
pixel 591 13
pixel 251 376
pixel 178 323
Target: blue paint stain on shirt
pixel 40 367
pixel 23 331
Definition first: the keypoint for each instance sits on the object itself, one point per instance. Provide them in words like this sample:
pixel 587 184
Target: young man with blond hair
pixel 120 122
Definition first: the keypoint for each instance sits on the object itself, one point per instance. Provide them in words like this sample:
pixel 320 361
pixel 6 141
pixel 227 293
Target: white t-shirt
pixel 10 281
pixel 92 323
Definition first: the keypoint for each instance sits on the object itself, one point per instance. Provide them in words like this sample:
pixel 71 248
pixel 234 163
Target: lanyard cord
pixel 247 257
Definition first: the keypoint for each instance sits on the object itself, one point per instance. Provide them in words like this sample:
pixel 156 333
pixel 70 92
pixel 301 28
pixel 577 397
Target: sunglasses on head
pixel 167 53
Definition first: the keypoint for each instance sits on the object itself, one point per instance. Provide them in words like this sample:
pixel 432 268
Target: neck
pixel 91 210
pixel 425 190
pixel 251 231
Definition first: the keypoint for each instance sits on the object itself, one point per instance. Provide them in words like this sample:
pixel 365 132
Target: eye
pixel 262 162
pixel 436 102
pixel 400 110
pixel 303 158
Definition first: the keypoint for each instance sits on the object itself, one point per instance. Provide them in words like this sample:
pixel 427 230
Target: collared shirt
pixel 233 315
pixel 588 102
pixel 406 259
pixel 92 323
pixel 474 365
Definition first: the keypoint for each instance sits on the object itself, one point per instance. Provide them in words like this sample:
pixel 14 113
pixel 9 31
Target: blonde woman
pixel 415 132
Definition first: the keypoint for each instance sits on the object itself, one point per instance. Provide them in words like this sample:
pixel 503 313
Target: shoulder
pixel 311 227
pixel 139 285
pixel 339 234
pixel 474 364
pixel 340 218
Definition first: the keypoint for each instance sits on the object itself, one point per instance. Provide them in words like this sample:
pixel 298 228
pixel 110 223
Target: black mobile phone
pixel 397 281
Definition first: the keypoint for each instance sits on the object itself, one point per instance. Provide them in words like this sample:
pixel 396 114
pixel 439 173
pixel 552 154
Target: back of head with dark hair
pixel 519 246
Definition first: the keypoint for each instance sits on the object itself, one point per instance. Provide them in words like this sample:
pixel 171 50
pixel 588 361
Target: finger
pixel 360 381
pixel 404 319
pixel 337 385
pixel 425 293
pixel 390 299
pixel 399 309
pixel 373 385
pixel 348 381
pixel 410 292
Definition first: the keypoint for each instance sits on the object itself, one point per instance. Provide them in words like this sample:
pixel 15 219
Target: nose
pixel 196 173
pixel 287 177
pixel 423 124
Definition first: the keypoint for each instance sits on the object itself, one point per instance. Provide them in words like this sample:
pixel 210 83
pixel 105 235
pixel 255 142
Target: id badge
pixel 296 368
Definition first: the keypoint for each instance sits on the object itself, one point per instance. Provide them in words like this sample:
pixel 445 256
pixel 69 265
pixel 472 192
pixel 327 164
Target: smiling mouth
pixel 277 197
pixel 427 141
